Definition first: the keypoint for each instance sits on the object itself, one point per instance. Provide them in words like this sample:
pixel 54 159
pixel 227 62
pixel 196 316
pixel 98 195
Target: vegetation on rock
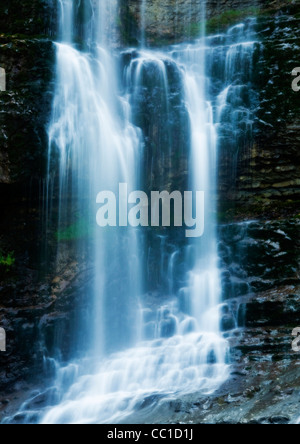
pixel 7 260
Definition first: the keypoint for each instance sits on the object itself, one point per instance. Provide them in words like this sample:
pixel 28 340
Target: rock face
pixel 29 17
pixel 171 20
pixel 175 20
pixel 269 170
pixel 259 256
pixel 28 59
pixel 27 55
pixel 39 315
pixel 263 176
pixel 25 107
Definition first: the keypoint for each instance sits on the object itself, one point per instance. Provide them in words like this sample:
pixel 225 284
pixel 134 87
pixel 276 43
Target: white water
pixel 143 22
pixel 99 147
pixel 172 366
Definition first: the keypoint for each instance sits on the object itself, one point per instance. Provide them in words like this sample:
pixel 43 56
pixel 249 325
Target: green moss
pixel 229 18
pixel 7 260
pixel 233 16
pixel 79 230
pixel 223 21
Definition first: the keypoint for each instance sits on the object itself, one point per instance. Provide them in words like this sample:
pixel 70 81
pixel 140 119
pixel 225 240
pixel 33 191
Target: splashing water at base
pixel 122 383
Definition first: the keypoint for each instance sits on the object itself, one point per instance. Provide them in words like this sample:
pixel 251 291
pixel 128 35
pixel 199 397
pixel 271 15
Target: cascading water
pixel 143 22
pixel 230 62
pixel 171 345
pixel 98 148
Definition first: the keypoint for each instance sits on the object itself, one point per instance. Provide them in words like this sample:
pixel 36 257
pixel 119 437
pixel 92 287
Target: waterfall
pixel 143 22
pixel 66 22
pixel 154 334
pixel 98 148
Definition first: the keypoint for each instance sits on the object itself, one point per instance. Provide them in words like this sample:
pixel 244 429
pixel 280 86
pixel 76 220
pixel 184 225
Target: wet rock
pixel 25 107
pixel 45 399
pixel 280 420
pixel 150 401
pixel 31 17
pixel 227 322
pixel 169 21
pixel 274 308
pixel 5 402
pixel 267 254
pixel 264 175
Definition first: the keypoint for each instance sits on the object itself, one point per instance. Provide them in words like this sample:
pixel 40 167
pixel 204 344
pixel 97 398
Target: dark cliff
pixel 28 57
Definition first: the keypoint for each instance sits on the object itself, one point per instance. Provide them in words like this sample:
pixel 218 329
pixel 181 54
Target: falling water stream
pixel 143 22
pixel 175 346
